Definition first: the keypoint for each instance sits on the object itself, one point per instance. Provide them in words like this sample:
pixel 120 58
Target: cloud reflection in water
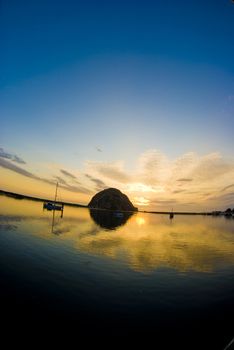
pixel 143 242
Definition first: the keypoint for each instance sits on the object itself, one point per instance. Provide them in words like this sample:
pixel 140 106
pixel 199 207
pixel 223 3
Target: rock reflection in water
pixel 109 219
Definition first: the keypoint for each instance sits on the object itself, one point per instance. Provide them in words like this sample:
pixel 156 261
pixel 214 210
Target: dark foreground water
pixel 143 278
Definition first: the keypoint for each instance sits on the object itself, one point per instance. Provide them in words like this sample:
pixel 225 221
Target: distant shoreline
pixel 23 196
pixel 175 212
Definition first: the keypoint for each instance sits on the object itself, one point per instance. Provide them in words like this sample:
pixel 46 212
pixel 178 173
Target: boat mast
pixel 56 190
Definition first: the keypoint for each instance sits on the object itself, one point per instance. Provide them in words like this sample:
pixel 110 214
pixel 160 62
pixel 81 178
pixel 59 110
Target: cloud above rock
pixel 160 180
pixel 155 179
pixel 109 170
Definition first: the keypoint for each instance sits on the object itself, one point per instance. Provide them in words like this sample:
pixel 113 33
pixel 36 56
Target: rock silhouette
pixel 111 199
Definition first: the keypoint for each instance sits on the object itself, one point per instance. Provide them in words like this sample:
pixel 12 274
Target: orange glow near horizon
pixel 187 183
pixel 27 186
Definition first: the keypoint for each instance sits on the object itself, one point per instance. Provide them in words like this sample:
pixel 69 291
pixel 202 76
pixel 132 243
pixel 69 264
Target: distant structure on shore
pixel 228 213
pixel 111 199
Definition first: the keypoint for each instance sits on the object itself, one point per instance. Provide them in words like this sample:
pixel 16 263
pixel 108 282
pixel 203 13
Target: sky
pixel 137 95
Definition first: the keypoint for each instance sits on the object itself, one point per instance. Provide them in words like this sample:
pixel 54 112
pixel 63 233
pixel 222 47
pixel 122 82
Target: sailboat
pixel 53 205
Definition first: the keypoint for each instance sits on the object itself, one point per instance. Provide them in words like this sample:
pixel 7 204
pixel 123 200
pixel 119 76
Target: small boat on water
pixel 171 215
pixel 53 205
pixel 118 214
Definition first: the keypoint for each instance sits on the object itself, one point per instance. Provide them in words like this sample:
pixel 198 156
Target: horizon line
pixel 23 196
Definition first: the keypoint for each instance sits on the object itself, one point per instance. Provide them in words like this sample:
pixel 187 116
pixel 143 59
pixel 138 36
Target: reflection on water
pixel 143 242
pixel 148 242
pixel 141 274
pixel 109 219
pixel 54 228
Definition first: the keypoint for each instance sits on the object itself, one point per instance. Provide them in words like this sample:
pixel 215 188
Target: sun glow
pixel 139 187
pixel 140 220
pixel 141 201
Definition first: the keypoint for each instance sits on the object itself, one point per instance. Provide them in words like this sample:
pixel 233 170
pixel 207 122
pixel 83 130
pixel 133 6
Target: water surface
pixel 142 275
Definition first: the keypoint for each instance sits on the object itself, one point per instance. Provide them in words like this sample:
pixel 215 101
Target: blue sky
pixel 94 87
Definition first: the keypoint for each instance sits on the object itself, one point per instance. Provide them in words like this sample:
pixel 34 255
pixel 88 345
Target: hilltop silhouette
pixel 111 199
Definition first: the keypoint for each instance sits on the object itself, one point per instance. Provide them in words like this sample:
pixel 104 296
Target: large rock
pixel 111 199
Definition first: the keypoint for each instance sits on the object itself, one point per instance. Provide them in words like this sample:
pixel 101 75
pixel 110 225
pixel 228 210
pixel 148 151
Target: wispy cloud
pixel 178 191
pixel 206 194
pixel 113 171
pixel 153 166
pixel 8 165
pixel 68 174
pixel 211 167
pixel 77 189
pixel 100 185
pixel 15 168
pixel 184 180
pixel 60 180
pixel 182 167
pixel 228 197
pixel 10 156
pixel 227 187
pixel 164 201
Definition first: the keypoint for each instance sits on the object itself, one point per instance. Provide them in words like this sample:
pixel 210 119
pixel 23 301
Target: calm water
pixel 141 277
